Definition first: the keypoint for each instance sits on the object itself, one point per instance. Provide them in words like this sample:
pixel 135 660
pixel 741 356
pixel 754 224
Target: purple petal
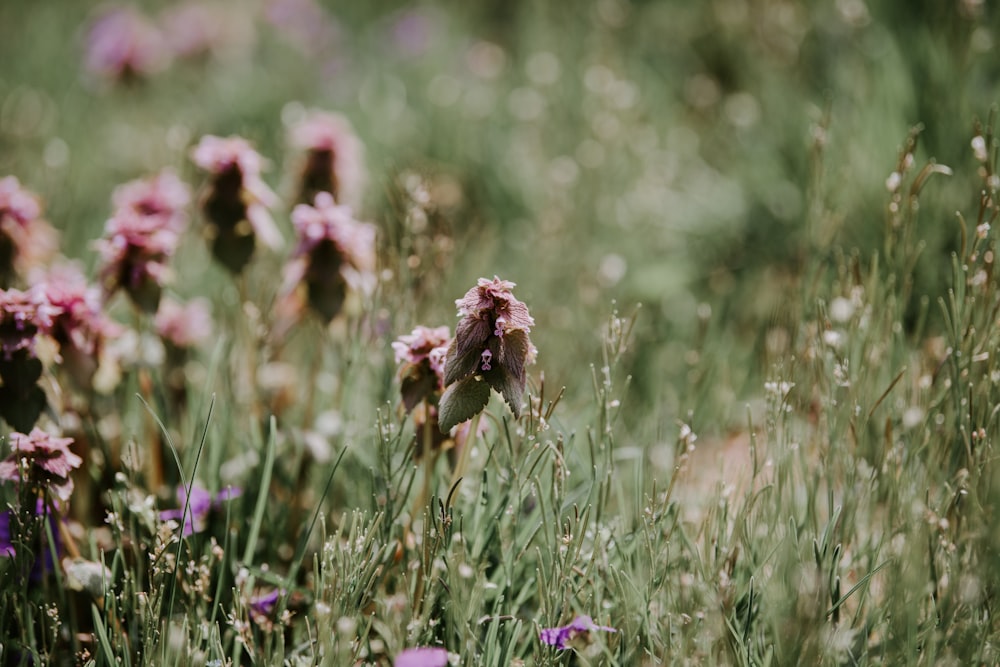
pixel 561 636
pixel 422 657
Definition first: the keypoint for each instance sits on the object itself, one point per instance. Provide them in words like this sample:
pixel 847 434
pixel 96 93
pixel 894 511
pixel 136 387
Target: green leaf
pixel 508 386
pixel 462 401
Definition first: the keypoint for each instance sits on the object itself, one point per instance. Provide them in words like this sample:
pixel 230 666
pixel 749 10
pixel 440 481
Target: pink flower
pixel 196 28
pixel 163 197
pixel 236 202
pixel 421 355
pixel 26 240
pixel 305 23
pixel 334 252
pixel 490 350
pixel 17 204
pixel 42 461
pixel 135 253
pixel 334 159
pixel 24 315
pixel 424 656
pixel 184 326
pixel 421 345
pixel 123 44
pixel 563 636
pixel 81 327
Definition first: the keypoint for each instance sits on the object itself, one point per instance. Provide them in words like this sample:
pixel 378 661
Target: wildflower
pixel 334 252
pixel 184 326
pixel 305 24
pixel 563 637
pixel 41 460
pixel 334 160
pixel 123 44
pixel 26 239
pixel 12 525
pixel 196 506
pixel 422 355
pixel 163 197
pixel 81 328
pixel 197 29
pixel 6 545
pixel 236 202
pixel 491 349
pixel 135 252
pixel 263 605
pixel 424 656
pixel 23 317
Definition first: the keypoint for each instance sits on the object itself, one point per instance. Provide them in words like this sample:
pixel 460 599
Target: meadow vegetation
pixel 753 243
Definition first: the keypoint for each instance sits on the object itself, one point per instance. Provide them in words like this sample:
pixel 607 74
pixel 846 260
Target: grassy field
pixel 753 423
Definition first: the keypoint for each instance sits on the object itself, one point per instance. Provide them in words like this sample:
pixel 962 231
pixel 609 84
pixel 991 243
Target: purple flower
pixel 334 158
pixel 490 350
pixel 23 315
pixel 305 23
pixel 424 656
pixel 7 549
pixel 197 28
pixel 26 240
pixel 334 252
pixel 562 637
pixel 135 252
pixel 123 44
pixel 41 460
pixel 163 197
pixel 236 201
pixel 81 327
pixel 421 355
pixel 201 504
pixel 6 545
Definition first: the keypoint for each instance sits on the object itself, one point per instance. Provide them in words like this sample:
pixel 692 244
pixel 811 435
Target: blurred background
pixel 694 158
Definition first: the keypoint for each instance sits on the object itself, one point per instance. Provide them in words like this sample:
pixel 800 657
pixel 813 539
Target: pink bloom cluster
pixel 163 197
pixel 305 23
pixel 491 344
pixel 424 344
pixel 334 157
pixel 334 251
pixel 124 44
pixel 24 315
pixel 421 355
pixel 236 202
pixel 41 460
pixel 182 325
pixel 81 324
pixel 197 28
pixel 142 236
pixel 25 239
